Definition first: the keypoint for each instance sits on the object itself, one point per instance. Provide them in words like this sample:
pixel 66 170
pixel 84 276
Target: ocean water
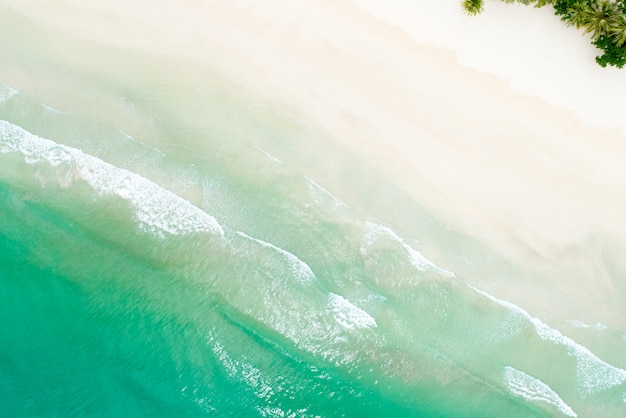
pixel 172 246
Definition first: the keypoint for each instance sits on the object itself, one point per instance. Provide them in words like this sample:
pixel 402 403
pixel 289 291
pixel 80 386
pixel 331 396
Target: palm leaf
pixel 472 7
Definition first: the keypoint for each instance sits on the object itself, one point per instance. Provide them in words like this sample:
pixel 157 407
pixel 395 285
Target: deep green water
pixel 165 252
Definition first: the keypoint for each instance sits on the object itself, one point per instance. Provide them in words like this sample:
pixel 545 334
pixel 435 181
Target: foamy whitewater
pixel 156 209
pixel 295 210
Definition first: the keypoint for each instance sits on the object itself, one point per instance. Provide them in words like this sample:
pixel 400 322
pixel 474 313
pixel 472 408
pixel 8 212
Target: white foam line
pixel 124 134
pixel 301 269
pixel 270 156
pixel 131 138
pixel 6 92
pixel 157 210
pixel 579 324
pixel 314 187
pixel 373 231
pixel 53 110
pixel 349 315
pixel 593 374
pixel 525 386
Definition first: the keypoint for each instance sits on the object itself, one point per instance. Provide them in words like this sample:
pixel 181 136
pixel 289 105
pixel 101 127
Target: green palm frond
pixel 541 3
pixel 472 7
pixel 599 19
pixel 577 15
pixel 618 31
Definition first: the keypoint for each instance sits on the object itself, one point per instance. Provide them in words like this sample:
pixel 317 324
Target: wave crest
pixel 157 210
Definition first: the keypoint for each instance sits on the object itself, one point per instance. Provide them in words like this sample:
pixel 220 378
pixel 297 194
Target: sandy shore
pixel 529 48
pixel 522 175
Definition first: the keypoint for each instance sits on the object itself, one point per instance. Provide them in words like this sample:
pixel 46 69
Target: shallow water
pixel 166 250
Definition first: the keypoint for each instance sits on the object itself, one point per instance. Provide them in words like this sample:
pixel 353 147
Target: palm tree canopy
pixel 541 3
pixel 600 18
pixel 473 7
pixel 618 31
pixel 605 20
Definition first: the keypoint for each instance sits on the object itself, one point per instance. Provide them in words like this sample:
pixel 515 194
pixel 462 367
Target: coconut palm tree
pixel 541 3
pixel 605 20
pixel 577 14
pixel 600 18
pixel 618 31
pixel 473 7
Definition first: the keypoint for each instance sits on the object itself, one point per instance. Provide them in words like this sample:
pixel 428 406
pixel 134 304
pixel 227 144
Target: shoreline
pixel 527 178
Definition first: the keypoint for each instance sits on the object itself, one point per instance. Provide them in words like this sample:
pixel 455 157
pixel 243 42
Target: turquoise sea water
pixel 165 251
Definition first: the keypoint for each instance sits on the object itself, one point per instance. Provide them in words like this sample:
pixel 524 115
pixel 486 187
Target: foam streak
pixel 157 210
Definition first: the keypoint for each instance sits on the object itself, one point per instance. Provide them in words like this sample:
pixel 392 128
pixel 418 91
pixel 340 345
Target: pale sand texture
pixel 528 47
pixel 523 176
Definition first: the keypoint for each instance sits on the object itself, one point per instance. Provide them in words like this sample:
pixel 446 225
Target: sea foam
pixel 593 374
pixel 579 324
pixel 373 231
pixel 270 156
pixel 157 210
pixel 349 315
pixel 301 270
pixel 525 386
pixel 322 195
pixel 6 92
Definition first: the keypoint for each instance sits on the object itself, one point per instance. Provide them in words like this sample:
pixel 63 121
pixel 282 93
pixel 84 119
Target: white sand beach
pixel 525 151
